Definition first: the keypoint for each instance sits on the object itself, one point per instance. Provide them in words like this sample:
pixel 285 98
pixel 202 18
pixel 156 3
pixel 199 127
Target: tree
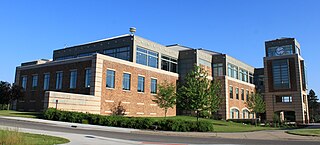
pixel 313 105
pixel 9 93
pixel 198 93
pixel 166 97
pixel 256 104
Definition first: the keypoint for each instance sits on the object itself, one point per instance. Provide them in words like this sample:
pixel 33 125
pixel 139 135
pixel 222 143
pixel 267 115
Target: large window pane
pixel 87 78
pixel 280 70
pixel 153 86
pixel 147 57
pixel 24 82
pixel 140 84
pixel 126 81
pixel 73 79
pixel 169 64
pixel 231 92
pixel 46 81
pixel 34 81
pixel 123 53
pixel 59 80
pixel 110 79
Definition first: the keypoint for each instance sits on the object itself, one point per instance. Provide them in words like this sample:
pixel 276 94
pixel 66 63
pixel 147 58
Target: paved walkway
pixel 85 139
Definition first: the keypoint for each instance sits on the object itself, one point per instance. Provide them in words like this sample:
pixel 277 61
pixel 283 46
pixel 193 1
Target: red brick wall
pixel 33 100
pixel 117 95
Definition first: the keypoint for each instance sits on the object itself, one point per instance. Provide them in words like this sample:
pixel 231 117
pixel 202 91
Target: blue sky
pixel 31 30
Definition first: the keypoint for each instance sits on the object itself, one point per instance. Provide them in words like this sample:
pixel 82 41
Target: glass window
pixel 251 78
pixel 286 99
pixel 46 81
pixel 110 79
pixel 231 92
pixel 280 69
pixel 140 84
pixel 242 94
pixel 153 86
pixel 234 114
pixel 169 64
pixel 147 57
pixel 87 78
pixel 123 53
pixel 247 95
pixel 73 79
pixel 126 81
pixel 34 81
pixel 217 69
pixel 243 74
pixel 232 71
pixel 237 93
pixel 24 82
pixel 245 114
pixel 59 80
pixel 280 50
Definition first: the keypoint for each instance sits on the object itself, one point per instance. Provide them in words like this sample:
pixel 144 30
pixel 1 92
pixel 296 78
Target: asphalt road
pixel 149 138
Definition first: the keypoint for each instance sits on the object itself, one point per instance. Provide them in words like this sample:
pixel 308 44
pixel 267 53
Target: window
pixel 65 57
pixel 126 81
pixel 110 79
pixel 153 86
pixel 24 82
pixel 232 71
pixel 247 95
pixel 86 54
pixel 231 92
pixel 284 99
pixel 73 79
pixel 59 80
pixel 280 69
pixel 234 114
pixel 303 74
pixel 242 94
pixel 123 53
pixel 169 64
pixel 147 57
pixel 243 75
pixel 237 93
pixel 46 81
pixel 245 114
pixel 140 84
pixel 217 69
pixel 34 81
pixel 87 78
pixel 251 78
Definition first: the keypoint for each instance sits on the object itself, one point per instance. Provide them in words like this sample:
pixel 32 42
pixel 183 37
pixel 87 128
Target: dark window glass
pixel 242 94
pixel 280 69
pixel 123 53
pixel 46 81
pixel 140 84
pixel 59 80
pixel 147 57
pixel 169 64
pixel 231 92
pixel 153 86
pixel 110 79
pixel 237 93
pixel 87 78
pixel 126 81
pixel 73 79
pixel 34 81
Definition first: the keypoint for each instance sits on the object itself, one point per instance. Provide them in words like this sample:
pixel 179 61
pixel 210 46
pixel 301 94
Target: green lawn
pixel 19 114
pixel 306 132
pixel 223 126
pixel 17 138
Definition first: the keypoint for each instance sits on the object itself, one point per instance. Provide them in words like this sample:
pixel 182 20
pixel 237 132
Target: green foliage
pixel 313 106
pixel 256 103
pixel 9 93
pixel 198 93
pixel 128 122
pixel 166 96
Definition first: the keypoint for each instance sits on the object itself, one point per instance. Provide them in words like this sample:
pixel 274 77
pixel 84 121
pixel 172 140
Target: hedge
pixel 128 122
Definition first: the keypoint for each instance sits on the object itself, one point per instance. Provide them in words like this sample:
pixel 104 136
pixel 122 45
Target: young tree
pixel 256 104
pixel 313 105
pixel 166 97
pixel 214 96
pixel 198 93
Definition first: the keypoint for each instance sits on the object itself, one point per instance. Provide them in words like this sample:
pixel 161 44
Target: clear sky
pixel 31 30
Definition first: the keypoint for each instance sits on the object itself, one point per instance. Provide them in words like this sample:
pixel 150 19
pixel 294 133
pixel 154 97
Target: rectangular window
pixel 237 93
pixel 73 79
pixel 284 99
pixel 110 79
pixel 243 75
pixel 147 57
pixel 123 53
pixel 87 78
pixel 46 81
pixel 232 71
pixel 251 78
pixel 280 50
pixel 140 84
pixel 24 82
pixel 280 70
pixel 231 92
pixel 153 86
pixel 126 81
pixel 59 80
pixel 247 95
pixel 169 64
pixel 242 94
pixel 34 81
pixel 217 69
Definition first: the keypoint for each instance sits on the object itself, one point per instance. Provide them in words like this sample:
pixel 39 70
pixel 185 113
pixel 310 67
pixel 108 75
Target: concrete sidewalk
pixel 256 135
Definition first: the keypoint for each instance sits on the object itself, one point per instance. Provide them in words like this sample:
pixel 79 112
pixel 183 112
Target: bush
pixel 128 122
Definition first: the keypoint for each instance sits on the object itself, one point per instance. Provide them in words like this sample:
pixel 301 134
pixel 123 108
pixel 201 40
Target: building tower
pixel 285 82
